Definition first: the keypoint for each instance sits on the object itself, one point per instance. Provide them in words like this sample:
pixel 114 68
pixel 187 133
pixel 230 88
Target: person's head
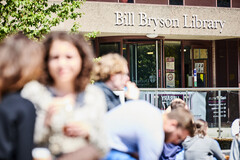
pixel 177 102
pixel 112 69
pixel 201 127
pixel 178 124
pixel 68 60
pixel 20 62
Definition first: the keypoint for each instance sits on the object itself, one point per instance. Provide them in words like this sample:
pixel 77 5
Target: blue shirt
pixel 170 151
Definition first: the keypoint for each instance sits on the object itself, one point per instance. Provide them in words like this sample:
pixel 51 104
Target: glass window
pixel 105 48
pixel 143 65
pixel 223 3
pixel 188 66
pixel 176 2
pixel 172 59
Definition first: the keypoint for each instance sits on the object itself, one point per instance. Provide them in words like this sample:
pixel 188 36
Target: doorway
pixel 144 63
pixel 160 63
pixel 196 58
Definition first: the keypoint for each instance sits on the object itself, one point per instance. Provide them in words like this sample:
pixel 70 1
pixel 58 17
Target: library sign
pixel 191 22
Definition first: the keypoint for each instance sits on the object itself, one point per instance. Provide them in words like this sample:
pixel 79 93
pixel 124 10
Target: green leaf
pixel 36 17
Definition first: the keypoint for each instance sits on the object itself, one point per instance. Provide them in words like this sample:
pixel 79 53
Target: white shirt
pixel 235 127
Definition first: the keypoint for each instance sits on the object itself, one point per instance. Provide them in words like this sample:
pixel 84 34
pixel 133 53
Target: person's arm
pixel 234 151
pixel 97 132
pixel 150 139
pixel 25 131
pixel 215 148
pixel 80 154
pixel 92 126
pixel 17 118
pixel 41 98
pixel 6 146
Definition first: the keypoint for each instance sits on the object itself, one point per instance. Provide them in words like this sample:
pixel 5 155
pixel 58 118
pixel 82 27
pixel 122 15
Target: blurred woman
pixel 70 111
pixel 20 61
pixel 201 146
pixel 111 74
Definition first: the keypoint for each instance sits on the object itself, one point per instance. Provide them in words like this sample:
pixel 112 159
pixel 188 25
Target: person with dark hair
pixel 110 74
pixel 70 111
pixel 143 130
pixel 201 146
pixel 20 62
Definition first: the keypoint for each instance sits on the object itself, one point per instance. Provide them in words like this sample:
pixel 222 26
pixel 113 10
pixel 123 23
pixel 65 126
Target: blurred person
pixel 201 146
pixel 69 110
pixel 235 145
pixel 144 129
pixel 235 127
pixel 235 149
pixel 110 74
pixel 171 150
pixel 20 61
pixel 177 102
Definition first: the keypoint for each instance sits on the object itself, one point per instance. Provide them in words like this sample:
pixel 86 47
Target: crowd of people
pixel 47 101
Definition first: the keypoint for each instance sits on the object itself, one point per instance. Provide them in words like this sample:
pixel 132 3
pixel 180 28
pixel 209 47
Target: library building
pixel 186 46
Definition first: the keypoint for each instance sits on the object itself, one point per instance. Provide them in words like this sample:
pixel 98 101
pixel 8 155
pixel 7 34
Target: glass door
pixel 144 63
pixel 200 64
pixel 173 68
pixel 196 58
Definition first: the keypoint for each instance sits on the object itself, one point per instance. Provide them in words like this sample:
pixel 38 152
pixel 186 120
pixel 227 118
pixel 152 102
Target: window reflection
pixel 105 48
pixel 176 2
pixel 223 3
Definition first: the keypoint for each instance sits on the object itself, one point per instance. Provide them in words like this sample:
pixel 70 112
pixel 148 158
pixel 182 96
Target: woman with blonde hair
pixel 20 61
pixel 110 74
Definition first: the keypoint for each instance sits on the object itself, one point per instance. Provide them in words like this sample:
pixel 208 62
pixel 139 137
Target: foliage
pixel 35 18
pixel 92 35
pixel 145 60
pixel 95 60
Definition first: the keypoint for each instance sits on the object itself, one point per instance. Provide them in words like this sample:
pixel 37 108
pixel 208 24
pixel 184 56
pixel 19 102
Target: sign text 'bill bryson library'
pixel 128 19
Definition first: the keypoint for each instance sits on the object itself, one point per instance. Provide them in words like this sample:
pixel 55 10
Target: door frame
pixel 207 44
pixel 158 53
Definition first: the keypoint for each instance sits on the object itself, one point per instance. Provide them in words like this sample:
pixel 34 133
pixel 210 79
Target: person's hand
pixel 76 129
pixel 56 104
pixel 132 91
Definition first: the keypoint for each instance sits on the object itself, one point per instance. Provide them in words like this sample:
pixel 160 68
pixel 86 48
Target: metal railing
pixel 220 103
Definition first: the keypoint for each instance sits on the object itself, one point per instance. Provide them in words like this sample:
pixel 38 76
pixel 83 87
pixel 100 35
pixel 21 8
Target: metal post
pixel 187 99
pixel 219 114
pixel 156 98
pixel 135 46
pixel 157 62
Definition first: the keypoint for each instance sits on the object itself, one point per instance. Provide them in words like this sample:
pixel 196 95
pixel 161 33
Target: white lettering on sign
pixel 195 22
pixel 161 22
pixel 125 18
pixel 191 22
